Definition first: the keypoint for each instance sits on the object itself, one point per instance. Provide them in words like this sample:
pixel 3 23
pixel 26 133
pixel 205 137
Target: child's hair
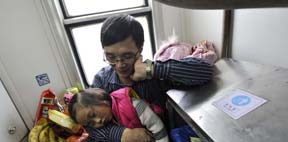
pixel 87 98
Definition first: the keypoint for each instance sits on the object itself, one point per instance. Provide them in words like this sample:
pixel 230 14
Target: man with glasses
pixel 122 40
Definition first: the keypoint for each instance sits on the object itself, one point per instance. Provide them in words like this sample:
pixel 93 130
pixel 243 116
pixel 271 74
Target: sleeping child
pixel 95 109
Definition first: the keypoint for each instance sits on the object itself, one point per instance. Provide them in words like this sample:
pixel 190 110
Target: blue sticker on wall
pixel 241 100
pixel 42 79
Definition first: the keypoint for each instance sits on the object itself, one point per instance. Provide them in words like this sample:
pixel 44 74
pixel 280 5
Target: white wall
pixel 191 26
pixel 167 19
pixel 261 35
pixel 27 49
pixel 204 25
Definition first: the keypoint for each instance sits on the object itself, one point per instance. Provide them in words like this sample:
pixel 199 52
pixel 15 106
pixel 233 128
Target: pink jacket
pixel 176 50
pixel 123 109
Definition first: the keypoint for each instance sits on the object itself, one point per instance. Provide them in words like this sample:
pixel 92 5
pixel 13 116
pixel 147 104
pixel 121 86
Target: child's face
pixel 94 116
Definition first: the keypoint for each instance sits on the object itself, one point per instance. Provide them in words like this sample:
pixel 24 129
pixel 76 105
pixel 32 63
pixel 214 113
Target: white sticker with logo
pixel 239 103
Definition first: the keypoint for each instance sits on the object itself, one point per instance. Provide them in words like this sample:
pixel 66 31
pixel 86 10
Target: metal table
pixel 267 123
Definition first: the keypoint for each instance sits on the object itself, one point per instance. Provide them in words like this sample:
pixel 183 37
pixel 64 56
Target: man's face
pixel 122 56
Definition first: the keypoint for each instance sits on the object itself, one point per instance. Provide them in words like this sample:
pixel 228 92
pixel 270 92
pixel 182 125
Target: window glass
pixel 89 48
pixel 81 7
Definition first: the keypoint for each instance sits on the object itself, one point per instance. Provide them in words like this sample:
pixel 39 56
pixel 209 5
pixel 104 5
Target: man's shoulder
pixel 102 77
pixel 108 70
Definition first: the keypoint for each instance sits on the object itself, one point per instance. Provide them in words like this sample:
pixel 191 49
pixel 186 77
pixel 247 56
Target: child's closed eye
pixel 92 115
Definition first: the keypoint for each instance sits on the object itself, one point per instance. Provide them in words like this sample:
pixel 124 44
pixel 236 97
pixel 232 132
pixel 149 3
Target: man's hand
pixel 136 135
pixel 139 70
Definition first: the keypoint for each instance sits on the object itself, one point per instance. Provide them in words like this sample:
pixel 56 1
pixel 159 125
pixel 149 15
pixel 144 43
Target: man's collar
pixel 114 78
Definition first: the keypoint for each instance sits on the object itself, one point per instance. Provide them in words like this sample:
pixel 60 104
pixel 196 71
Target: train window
pixel 78 7
pixel 83 21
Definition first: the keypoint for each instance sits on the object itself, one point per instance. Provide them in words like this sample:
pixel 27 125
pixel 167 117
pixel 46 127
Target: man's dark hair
pixel 119 27
pixel 88 97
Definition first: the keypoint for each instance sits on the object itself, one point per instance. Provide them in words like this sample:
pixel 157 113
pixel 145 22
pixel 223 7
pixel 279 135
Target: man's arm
pixel 187 71
pixel 110 132
pixel 116 133
pixel 136 135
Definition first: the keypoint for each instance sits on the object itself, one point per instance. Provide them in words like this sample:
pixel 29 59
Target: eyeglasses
pixel 125 58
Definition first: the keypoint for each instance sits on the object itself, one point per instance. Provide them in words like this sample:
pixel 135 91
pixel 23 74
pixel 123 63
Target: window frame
pixel 70 22
pixel 67 16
